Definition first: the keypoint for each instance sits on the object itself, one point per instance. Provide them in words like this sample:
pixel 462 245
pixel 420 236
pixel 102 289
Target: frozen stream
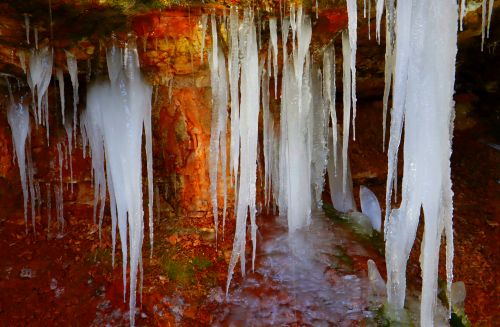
pixel 317 279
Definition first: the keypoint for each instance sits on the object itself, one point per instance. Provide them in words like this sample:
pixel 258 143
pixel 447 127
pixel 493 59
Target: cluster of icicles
pixel 299 148
pixel 118 110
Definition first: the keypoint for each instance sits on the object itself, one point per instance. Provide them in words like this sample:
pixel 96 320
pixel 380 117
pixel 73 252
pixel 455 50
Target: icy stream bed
pixel 316 277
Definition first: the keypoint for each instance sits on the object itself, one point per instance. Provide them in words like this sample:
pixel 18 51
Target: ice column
pixel 248 131
pixel 423 95
pixel 19 121
pixel 218 74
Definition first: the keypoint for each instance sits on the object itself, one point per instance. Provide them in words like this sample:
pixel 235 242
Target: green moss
pixel 201 263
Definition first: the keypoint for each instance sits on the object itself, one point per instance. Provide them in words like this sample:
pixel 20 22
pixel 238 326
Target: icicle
pixel 297 100
pixel 490 12
pixel 22 60
pixel 60 79
pixel 265 72
pixel 27 26
pixel 364 8
pixel 69 134
pixel 462 13
pixel 274 44
pixel 19 121
pixel 346 82
pixel 319 127
pixel 219 123
pixel 31 180
pixel 483 23
pixel 423 99
pixel 249 113
pixel 114 60
pixel 204 19
pixel 127 107
pixel 317 9
pixel 352 13
pixel 73 74
pixel 389 64
pixel 234 74
pixel 329 92
pixel 369 19
pixel 378 18
pixel 40 72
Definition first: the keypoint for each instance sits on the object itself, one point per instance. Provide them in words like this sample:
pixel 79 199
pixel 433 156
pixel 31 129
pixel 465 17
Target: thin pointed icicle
pixel 346 83
pixel 352 13
pixel 378 18
pixel 462 13
pixel 204 19
pixel 249 114
pixel 274 44
pixel 60 79
pixel 369 19
pixel 490 12
pixel 73 74
pixel 19 121
pixel 483 23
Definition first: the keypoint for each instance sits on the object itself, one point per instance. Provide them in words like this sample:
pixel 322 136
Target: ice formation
pixel 60 80
pixel 218 137
pixel 40 72
pixel 370 207
pixel 274 47
pixel 342 199
pixel 248 134
pixel 204 19
pixel 73 74
pixel 112 108
pixel 423 90
pixel 352 13
pixel 346 84
pixel 19 121
pixel 234 76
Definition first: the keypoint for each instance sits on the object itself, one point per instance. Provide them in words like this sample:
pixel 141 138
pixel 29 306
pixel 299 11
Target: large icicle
pixel 249 114
pixel 218 136
pixel 346 83
pixel 297 103
pixel 19 121
pixel 274 44
pixel 126 106
pixel 389 64
pixel 423 95
pixel 352 13
pixel 234 75
pixel 204 19
pixel 329 91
